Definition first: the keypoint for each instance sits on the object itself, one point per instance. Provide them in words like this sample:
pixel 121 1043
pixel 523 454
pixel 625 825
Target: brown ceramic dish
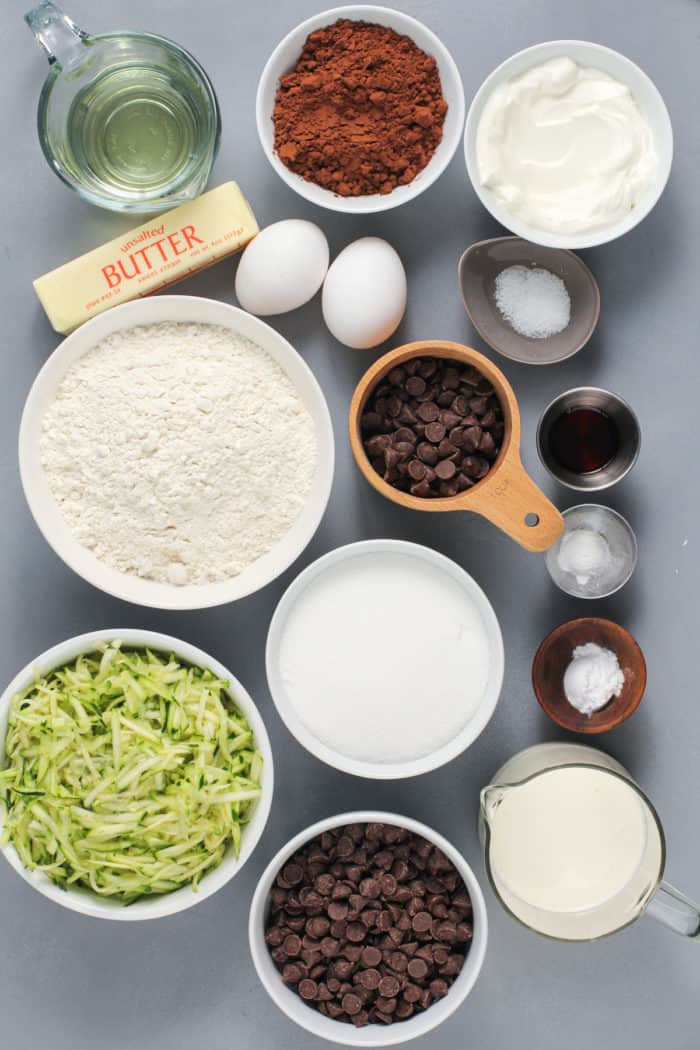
pixel 507 496
pixel 553 657
pixel 478 269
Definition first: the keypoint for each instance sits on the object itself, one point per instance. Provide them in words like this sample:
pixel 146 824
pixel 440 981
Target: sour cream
pixel 565 148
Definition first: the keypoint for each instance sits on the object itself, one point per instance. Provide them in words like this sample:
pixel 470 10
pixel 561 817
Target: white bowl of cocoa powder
pixel 374 164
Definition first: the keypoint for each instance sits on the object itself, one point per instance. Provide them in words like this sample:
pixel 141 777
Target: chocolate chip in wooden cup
pixel 439 411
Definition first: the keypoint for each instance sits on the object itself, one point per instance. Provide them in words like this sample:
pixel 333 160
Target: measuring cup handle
pixel 672 908
pixel 55 32
pixel 513 502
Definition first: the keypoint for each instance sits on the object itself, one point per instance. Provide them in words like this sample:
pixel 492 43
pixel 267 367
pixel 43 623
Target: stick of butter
pixel 158 253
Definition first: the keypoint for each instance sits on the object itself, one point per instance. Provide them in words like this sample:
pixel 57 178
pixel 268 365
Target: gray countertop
pixel 71 982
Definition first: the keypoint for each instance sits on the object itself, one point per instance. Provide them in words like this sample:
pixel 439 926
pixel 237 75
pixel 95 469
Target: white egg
pixel 282 268
pixel 364 294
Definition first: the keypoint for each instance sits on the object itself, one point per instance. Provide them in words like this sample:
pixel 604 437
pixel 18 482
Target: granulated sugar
pixel 533 301
pixel 384 657
pixel 178 452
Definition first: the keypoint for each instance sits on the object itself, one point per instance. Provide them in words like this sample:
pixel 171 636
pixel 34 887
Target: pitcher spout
pixel 491 798
pixel 55 32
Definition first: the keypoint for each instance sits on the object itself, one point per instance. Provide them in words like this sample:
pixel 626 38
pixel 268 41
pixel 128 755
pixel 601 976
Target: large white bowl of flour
pixel 385 659
pixel 203 488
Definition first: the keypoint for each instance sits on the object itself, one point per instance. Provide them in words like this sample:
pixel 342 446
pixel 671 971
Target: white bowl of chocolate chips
pixel 368 929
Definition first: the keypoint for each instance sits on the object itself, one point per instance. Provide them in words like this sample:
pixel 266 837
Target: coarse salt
pixel 533 301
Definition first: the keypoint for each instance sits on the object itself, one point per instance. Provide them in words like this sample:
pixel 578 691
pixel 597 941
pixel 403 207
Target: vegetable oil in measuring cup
pixel 134 129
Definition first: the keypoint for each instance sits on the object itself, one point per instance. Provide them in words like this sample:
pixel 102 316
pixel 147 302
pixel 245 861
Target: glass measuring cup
pixel 128 120
pixel 574 849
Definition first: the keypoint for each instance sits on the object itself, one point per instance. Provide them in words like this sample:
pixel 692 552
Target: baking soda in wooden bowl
pixel 385 659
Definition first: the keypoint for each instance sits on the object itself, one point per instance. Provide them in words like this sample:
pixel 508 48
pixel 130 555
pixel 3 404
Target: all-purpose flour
pixel 178 452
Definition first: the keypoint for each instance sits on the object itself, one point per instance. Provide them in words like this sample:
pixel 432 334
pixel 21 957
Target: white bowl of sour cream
pixel 568 144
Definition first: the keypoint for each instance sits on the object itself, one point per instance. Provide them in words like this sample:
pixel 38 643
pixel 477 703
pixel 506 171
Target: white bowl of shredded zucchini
pixel 135 774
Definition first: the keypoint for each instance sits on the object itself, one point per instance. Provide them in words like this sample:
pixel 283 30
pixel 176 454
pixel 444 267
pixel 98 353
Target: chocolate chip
pixel 293 874
pixel 435 432
pixel 351 1003
pixel 416 470
pixel 449 419
pixel 389 883
pixel 427 453
pixel 424 402
pixel 376 445
pixel 427 367
pixel 292 973
pixel 429 411
pixel 371 956
pixel 446 449
pixel 418 969
pixel 308 989
pixel 415 386
pixel 324 884
pixel 389 987
pixel 445 469
pixel 369 978
pixel 370 422
pixel 337 910
pixel 487 446
pixel 292 944
pixel 422 921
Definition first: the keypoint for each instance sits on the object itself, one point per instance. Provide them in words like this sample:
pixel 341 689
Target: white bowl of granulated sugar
pixel 176 452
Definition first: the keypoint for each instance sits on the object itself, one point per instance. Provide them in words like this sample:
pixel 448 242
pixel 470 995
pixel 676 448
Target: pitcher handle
pixel 672 908
pixel 56 33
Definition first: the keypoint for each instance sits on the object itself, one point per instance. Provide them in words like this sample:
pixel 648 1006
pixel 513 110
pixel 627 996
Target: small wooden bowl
pixel 553 657
pixel 507 496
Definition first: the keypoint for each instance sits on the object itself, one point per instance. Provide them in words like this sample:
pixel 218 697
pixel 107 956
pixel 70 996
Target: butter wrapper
pixel 161 251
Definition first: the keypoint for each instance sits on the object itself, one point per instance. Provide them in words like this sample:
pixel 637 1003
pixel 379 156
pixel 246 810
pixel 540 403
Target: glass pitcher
pixel 128 120
pixel 574 849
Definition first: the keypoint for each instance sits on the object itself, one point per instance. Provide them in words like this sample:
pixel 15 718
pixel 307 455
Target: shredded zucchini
pixel 127 772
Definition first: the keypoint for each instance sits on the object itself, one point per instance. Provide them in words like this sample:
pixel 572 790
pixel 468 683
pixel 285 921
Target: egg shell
pixel 364 294
pixel 282 268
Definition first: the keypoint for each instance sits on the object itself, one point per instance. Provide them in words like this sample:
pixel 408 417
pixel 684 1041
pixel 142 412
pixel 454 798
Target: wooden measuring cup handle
pixel 510 499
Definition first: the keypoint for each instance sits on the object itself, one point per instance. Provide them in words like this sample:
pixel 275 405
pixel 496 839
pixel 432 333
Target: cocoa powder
pixel 361 112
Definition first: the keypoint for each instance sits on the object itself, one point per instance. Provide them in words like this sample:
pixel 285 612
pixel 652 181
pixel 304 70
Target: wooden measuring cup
pixel 507 496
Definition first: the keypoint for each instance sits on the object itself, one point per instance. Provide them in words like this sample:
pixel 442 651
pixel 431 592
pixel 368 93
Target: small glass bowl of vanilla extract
pixel 588 438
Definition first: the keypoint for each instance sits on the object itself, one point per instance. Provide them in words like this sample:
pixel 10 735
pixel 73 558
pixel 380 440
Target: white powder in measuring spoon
pixel 178 452
pixel 384 658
